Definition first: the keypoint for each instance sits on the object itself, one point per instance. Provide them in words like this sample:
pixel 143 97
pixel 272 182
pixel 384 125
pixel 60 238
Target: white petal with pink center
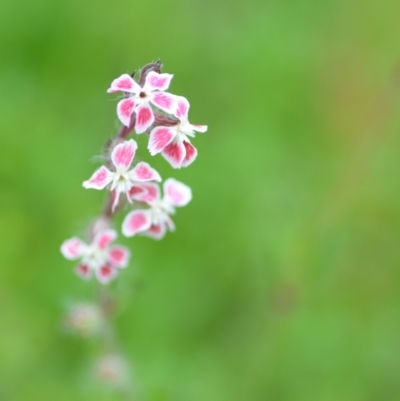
pixel 155 232
pixel 155 221
pixel 125 110
pixel 122 179
pixel 124 83
pixel 155 81
pixel 159 138
pixel 135 222
pixel 143 172
pixel 106 273
pixel 97 257
pixel 119 256
pixel 175 153
pixel 176 193
pixel 73 248
pixel 147 192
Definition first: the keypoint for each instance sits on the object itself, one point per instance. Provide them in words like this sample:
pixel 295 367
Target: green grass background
pixel 282 281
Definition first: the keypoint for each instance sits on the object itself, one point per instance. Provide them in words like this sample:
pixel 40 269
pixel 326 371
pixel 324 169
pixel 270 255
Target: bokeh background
pixel 282 281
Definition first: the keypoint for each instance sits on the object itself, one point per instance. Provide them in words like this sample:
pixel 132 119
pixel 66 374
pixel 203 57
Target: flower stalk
pixel 145 108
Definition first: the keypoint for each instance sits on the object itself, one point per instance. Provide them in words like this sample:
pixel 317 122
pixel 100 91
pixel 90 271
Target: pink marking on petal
pixel 182 108
pixel 174 153
pixel 135 222
pixel 119 256
pixel 164 101
pixel 159 138
pixel 123 154
pixel 104 238
pixel 135 191
pixel 100 179
pixel 148 193
pixel 191 154
pixel 143 172
pixel 155 81
pixel 72 248
pixel 124 111
pixel 124 83
pixel 106 273
pixel 156 232
pixel 177 193
pixel 144 118
pixel 83 271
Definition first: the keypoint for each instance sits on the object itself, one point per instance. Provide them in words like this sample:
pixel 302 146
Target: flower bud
pixel 111 369
pixel 84 319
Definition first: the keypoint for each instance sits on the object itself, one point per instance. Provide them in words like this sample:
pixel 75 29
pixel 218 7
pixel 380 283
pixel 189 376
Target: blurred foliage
pixel 282 281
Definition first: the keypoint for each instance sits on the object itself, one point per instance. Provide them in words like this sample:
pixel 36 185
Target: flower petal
pixel 73 248
pixel 83 271
pixel 143 172
pixel 119 256
pixel 124 83
pixel 106 273
pixel 177 193
pixel 144 118
pixel 100 178
pixel 182 108
pixel 191 154
pixel 175 153
pixel 199 128
pixel 104 238
pixel 115 199
pixel 135 191
pixel 146 192
pixel 159 138
pixel 156 232
pixel 135 222
pixel 164 101
pixel 169 223
pixel 123 154
pixel 155 81
pixel 124 111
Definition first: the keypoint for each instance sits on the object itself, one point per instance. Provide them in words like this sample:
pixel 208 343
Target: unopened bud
pixel 111 370
pixel 84 319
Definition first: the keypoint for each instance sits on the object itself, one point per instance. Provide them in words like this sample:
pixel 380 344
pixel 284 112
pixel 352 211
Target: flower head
pixel 98 257
pixel 84 319
pixel 111 369
pixel 173 141
pixel 139 99
pixel 155 221
pixel 122 179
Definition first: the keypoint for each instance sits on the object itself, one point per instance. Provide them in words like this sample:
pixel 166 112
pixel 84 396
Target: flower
pixel 139 98
pixel 155 221
pixel 98 257
pixel 111 369
pixel 122 180
pixel 84 319
pixel 173 142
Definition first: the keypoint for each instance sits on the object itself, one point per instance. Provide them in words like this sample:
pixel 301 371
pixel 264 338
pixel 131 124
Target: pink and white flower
pixel 122 180
pixel 154 222
pixel 173 142
pixel 140 98
pixel 98 257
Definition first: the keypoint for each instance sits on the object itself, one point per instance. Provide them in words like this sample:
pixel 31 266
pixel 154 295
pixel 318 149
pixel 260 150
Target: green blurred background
pixel 282 281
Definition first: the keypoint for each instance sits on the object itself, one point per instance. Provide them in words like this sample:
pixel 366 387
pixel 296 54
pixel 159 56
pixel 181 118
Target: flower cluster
pixel 146 108
pixel 98 257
